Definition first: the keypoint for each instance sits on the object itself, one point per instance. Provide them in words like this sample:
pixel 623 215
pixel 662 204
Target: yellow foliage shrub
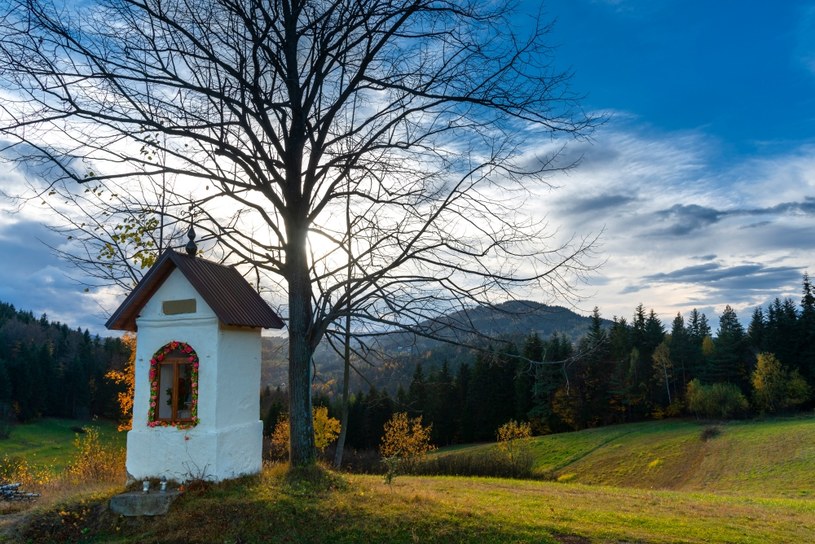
pixel 18 470
pixel 405 443
pixel 126 377
pixel 512 430
pixel 513 445
pixel 93 462
pixel 326 431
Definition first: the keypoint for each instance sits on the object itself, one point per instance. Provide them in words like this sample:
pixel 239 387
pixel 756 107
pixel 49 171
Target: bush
pixel 513 446
pixel 362 461
pixel 6 421
pixel 279 440
pixel 5 429
pixel 326 431
pixel 722 400
pixel 404 444
pixel 776 388
pixel 18 469
pixel 674 409
pixel 93 462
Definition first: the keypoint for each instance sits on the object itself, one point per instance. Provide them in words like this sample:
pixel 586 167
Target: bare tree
pixel 112 238
pixel 277 116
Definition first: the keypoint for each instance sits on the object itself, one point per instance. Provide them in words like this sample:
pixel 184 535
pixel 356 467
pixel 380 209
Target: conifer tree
pixel 698 330
pixel 621 381
pixel 729 363
pixel 417 393
pixel 681 351
pixel 465 423
pixel 442 400
pixel 548 377
pixel 584 401
pixel 782 328
pixel 806 332
pixel 757 330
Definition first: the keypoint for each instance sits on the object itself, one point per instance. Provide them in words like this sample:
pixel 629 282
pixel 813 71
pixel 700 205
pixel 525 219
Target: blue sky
pixel 703 179
pixel 740 71
pixel 702 182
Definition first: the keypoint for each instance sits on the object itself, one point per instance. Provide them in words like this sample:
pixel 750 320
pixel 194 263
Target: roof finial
pixel 191 248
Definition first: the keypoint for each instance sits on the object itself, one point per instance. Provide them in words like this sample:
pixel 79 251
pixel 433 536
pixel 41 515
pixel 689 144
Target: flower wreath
pixel 159 356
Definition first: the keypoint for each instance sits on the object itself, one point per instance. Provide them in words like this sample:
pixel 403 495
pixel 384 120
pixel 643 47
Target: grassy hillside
pixel 750 483
pixel 773 458
pixel 352 509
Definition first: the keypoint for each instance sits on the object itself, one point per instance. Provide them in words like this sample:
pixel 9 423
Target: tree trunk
pixel 346 377
pixel 301 440
pixel 346 373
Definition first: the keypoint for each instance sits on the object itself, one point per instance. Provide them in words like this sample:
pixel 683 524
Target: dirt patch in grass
pixel 710 432
pixel 10 523
pixel 571 539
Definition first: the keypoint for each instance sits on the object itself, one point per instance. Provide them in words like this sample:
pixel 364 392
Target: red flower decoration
pixel 159 356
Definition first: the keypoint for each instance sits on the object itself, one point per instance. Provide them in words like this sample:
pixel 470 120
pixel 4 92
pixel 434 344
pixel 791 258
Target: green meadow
pixel 49 443
pixel 774 458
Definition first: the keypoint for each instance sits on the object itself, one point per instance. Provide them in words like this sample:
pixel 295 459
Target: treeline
pixel 627 372
pixel 48 369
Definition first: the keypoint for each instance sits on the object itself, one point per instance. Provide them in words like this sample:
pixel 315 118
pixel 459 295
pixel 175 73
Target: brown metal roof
pixel 229 295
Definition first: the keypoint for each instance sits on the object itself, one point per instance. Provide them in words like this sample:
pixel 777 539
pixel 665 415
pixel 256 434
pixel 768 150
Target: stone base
pixel 136 503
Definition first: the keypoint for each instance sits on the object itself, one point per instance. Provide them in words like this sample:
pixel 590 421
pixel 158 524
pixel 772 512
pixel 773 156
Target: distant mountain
pixel 510 322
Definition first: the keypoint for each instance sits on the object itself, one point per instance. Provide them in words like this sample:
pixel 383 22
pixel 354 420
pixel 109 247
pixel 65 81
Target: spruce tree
pixel 806 332
pixel 730 361
pixel 553 356
pixel 697 329
pixel 681 351
pixel 442 405
pixel 417 394
pixel 620 384
pixel 757 331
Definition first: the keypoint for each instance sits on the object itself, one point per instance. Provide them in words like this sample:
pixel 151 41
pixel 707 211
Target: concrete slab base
pixel 137 503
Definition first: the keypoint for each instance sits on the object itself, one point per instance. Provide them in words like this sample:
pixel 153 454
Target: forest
pixel 623 372
pixel 631 371
pixel 49 370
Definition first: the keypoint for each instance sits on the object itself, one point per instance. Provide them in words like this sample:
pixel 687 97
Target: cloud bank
pixel 662 200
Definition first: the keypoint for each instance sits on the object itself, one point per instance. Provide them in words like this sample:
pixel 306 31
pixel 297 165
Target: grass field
pixel 353 509
pixel 750 482
pixel 49 442
pixel 774 458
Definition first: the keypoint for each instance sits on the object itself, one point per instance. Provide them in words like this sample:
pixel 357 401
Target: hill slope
pixel 765 468
pixel 773 458
pixel 444 510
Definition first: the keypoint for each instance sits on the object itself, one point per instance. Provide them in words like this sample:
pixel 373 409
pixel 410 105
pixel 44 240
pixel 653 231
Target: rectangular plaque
pixel 175 307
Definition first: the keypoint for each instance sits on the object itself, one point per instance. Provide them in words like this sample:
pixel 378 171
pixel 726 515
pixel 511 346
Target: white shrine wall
pixel 227 442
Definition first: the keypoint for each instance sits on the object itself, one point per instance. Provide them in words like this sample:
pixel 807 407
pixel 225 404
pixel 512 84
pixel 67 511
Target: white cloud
pixel 664 199
pixel 33 279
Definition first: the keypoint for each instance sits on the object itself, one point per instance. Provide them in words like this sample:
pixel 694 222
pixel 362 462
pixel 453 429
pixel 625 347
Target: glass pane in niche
pixel 165 393
pixel 185 391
